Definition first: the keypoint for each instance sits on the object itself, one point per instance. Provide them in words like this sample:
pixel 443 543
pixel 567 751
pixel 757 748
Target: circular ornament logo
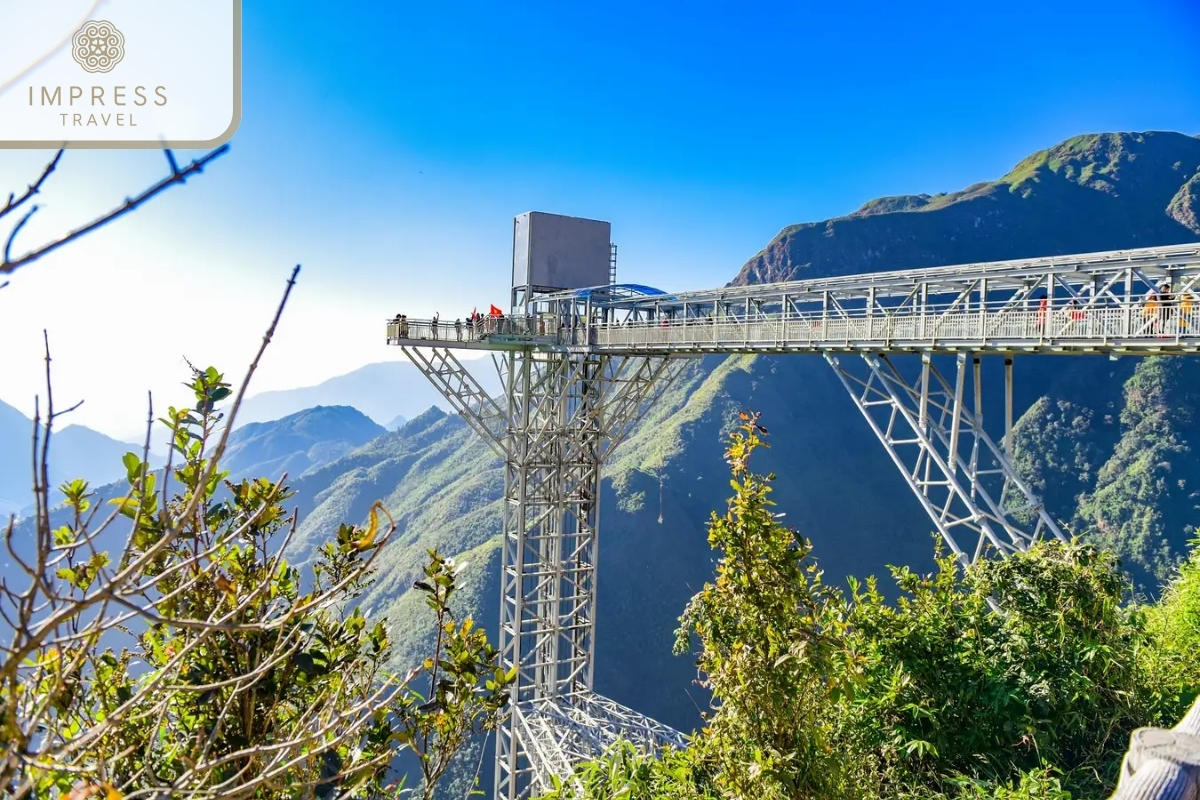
pixel 98 46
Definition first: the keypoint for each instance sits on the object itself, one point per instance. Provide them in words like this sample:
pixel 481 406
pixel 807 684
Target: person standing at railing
pixel 458 329
pixel 403 326
pixel 1168 302
pixel 1074 312
pixel 1043 307
pixel 433 326
pixel 1155 308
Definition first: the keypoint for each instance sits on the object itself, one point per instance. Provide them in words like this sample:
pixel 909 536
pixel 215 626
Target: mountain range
pixel 76 452
pixel 386 392
pixel 298 442
pixel 1108 444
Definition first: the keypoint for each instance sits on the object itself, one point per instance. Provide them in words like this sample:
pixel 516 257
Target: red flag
pixel 474 311
pixel 495 312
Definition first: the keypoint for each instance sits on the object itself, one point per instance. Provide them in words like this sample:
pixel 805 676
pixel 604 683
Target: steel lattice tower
pixel 564 413
pixel 581 361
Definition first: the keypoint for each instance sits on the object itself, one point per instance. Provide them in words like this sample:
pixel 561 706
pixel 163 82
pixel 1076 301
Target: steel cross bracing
pixel 963 479
pixel 565 412
pixel 1094 303
pixel 563 734
pixel 560 415
pixel 580 367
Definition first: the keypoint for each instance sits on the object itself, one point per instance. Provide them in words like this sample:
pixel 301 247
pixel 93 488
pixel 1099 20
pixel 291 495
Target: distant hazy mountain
pixel 75 452
pixel 397 423
pixel 298 442
pixel 381 391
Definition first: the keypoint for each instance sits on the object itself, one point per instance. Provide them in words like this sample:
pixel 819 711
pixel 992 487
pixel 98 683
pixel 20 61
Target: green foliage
pixel 1038 784
pixel 768 632
pixel 624 773
pixel 820 694
pixel 1174 627
pixel 467 690
pixel 1144 502
pixel 952 689
pixel 196 660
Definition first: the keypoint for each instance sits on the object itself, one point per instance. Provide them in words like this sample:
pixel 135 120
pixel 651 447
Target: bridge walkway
pixel 1092 303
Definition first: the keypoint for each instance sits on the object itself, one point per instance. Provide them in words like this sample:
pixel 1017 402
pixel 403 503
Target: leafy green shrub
pixel 824 694
pixel 951 688
pixel 769 632
pixel 195 661
pixel 1171 663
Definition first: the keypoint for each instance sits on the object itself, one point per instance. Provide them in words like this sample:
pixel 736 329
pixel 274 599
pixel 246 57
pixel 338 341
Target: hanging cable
pixel 660 498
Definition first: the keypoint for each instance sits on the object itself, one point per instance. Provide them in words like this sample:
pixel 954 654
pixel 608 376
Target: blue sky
pixel 387 146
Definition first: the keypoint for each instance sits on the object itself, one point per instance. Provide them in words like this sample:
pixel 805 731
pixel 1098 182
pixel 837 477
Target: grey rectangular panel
pixel 552 252
pixel 521 250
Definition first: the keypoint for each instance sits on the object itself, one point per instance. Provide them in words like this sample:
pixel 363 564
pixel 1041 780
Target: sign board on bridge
pixel 553 252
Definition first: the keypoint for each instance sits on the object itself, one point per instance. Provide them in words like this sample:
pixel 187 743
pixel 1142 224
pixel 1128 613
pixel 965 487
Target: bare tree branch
pixel 15 202
pixel 192 663
pixel 177 175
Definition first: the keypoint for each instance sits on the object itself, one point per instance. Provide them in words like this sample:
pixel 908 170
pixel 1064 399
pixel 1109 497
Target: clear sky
pixel 386 146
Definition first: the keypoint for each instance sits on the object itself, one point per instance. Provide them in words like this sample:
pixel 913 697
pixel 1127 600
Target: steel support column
pixel 566 411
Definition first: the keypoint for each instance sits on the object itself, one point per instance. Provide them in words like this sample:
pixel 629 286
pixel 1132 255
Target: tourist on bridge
pixel 433 325
pixel 1074 310
pixel 1167 302
pixel 403 326
pixel 458 329
pixel 1158 307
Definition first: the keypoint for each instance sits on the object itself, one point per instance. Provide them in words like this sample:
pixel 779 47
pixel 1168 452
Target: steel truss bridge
pixel 579 368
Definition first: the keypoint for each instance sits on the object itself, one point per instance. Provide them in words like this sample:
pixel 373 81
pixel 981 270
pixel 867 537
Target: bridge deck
pixel 1094 330
pixel 1091 303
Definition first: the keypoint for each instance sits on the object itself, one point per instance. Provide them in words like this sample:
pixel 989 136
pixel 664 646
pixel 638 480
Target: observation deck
pixel 1093 303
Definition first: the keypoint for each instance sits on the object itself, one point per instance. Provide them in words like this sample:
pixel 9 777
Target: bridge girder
pixel 963 479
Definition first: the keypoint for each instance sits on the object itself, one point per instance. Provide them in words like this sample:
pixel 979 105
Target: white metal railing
pixel 543 328
pixel 982 326
pixel 987 327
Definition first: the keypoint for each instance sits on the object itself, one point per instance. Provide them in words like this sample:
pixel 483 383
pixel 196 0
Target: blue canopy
pixel 622 290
